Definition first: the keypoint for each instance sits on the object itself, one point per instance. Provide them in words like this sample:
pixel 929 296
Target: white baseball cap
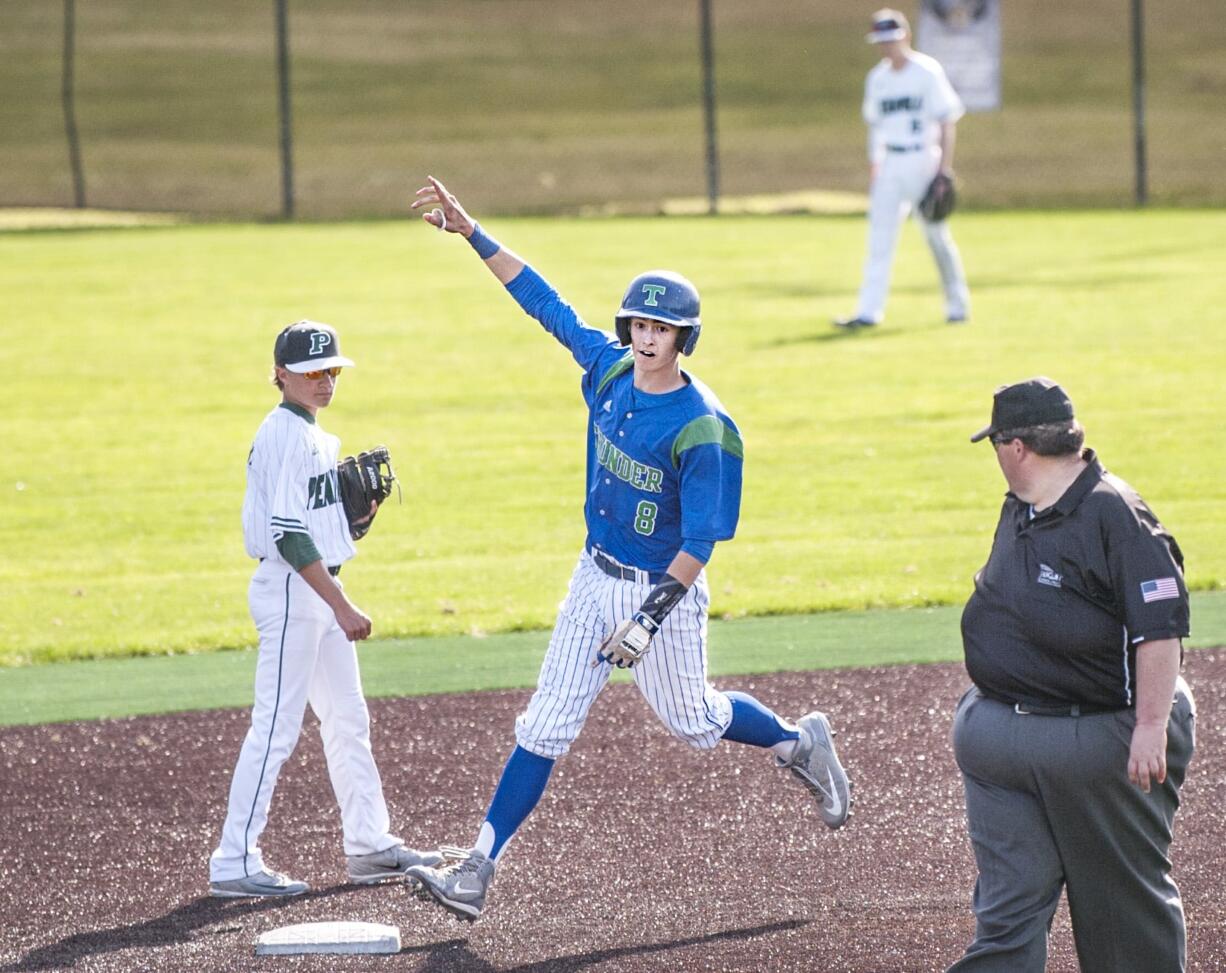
pixel 888 25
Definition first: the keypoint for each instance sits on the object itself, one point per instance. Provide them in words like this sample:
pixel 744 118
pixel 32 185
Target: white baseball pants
pixel 902 179
pixel 672 676
pixel 304 657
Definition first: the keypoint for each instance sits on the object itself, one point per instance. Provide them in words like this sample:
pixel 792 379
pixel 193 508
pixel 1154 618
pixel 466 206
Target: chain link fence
pixel 566 105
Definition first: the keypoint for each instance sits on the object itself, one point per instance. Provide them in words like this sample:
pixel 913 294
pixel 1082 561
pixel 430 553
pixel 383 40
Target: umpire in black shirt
pixel 1076 736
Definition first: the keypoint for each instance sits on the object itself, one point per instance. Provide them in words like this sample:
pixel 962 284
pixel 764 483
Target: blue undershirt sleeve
pixel 698 549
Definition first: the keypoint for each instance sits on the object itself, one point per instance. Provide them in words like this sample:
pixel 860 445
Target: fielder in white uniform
pixel 294 523
pixel 912 113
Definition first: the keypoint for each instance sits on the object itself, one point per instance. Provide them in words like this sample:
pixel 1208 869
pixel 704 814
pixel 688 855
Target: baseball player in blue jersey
pixel 295 526
pixel 663 486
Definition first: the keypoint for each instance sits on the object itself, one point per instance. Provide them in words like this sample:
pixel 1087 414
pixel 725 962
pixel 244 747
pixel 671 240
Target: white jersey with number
pixel 292 487
pixel 905 108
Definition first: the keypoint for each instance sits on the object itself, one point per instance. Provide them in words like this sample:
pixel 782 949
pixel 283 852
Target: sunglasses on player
pixel 316 375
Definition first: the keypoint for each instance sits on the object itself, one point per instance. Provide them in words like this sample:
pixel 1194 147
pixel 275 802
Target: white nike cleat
pixel 460 886
pixel 816 765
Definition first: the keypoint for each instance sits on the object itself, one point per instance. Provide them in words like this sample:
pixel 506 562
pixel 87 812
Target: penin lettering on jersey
pixel 322 490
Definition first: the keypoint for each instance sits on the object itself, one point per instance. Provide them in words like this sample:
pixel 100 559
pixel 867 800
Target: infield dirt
pixel 643 855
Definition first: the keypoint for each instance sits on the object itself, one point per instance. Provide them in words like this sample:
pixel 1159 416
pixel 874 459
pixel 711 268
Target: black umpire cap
pixel 306 346
pixel 1034 402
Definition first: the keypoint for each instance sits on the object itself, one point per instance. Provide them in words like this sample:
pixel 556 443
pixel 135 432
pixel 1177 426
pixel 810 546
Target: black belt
pixel 621 571
pixel 1023 708
pixel 904 148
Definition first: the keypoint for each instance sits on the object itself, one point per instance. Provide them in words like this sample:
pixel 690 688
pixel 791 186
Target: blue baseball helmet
pixel 664 296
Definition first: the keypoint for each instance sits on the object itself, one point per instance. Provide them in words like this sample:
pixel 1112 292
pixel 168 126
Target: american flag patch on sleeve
pixel 1159 589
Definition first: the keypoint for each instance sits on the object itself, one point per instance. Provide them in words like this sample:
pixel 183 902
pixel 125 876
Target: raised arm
pixel 535 296
pixel 450 216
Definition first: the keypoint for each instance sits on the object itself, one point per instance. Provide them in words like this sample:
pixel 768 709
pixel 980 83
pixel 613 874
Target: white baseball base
pixel 329 937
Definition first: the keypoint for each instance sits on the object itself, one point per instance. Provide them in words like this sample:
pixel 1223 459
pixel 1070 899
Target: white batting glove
pixel 628 643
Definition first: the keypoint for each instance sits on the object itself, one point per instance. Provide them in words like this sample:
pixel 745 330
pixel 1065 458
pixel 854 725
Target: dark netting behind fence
pixel 558 105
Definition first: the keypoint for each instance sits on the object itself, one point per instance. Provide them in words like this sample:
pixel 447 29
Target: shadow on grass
pixel 829 332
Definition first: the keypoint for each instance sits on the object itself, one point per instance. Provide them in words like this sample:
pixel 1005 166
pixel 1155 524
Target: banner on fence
pixel 964 35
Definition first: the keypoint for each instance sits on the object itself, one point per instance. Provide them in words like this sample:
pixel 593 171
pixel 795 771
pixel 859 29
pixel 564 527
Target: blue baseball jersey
pixel 663 471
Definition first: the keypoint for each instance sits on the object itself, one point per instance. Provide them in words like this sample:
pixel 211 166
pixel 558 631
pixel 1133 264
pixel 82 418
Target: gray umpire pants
pixel 1048 807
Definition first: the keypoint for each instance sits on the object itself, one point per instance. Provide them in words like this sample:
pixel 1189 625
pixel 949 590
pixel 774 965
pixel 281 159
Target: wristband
pixel 485 246
pixel 659 602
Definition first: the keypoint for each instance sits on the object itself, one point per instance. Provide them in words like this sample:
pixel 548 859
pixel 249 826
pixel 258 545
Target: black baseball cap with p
pixel 307 346
pixel 1034 402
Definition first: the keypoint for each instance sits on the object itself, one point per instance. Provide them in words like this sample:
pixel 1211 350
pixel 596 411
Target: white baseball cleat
pixel 816 765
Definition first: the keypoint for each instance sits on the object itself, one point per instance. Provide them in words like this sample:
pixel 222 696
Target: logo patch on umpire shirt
pixel 1049 577
pixel 1159 589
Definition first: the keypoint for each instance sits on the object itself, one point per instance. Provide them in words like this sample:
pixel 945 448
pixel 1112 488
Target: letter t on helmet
pixel 661 295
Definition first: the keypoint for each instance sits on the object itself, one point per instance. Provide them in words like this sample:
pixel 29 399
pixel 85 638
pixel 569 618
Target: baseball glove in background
pixel 363 479
pixel 939 199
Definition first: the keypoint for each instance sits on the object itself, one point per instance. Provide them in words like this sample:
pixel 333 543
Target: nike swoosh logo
pixel 475 890
pixel 836 805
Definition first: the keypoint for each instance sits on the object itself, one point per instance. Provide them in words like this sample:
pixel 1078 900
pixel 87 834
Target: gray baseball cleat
pixel 816 765
pixel 393 862
pixel 263 884
pixel 854 323
pixel 461 886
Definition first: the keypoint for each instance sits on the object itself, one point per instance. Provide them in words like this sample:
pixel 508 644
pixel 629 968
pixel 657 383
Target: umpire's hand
pixel 1147 754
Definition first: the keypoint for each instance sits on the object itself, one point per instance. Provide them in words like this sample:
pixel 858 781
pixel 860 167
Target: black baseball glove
pixel 364 479
pixel 939 199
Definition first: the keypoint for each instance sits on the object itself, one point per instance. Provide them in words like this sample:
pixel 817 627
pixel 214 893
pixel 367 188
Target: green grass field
pixel 459 663
pixel 141 359
pixel 541 105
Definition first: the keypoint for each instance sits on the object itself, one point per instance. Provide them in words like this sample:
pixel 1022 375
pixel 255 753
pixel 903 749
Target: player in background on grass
pixel 663 486
pixel 912 113
pixel 295 525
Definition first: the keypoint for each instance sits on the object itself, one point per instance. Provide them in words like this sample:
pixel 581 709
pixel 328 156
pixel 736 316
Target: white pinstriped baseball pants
pixel 304 657
pixel 672 676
